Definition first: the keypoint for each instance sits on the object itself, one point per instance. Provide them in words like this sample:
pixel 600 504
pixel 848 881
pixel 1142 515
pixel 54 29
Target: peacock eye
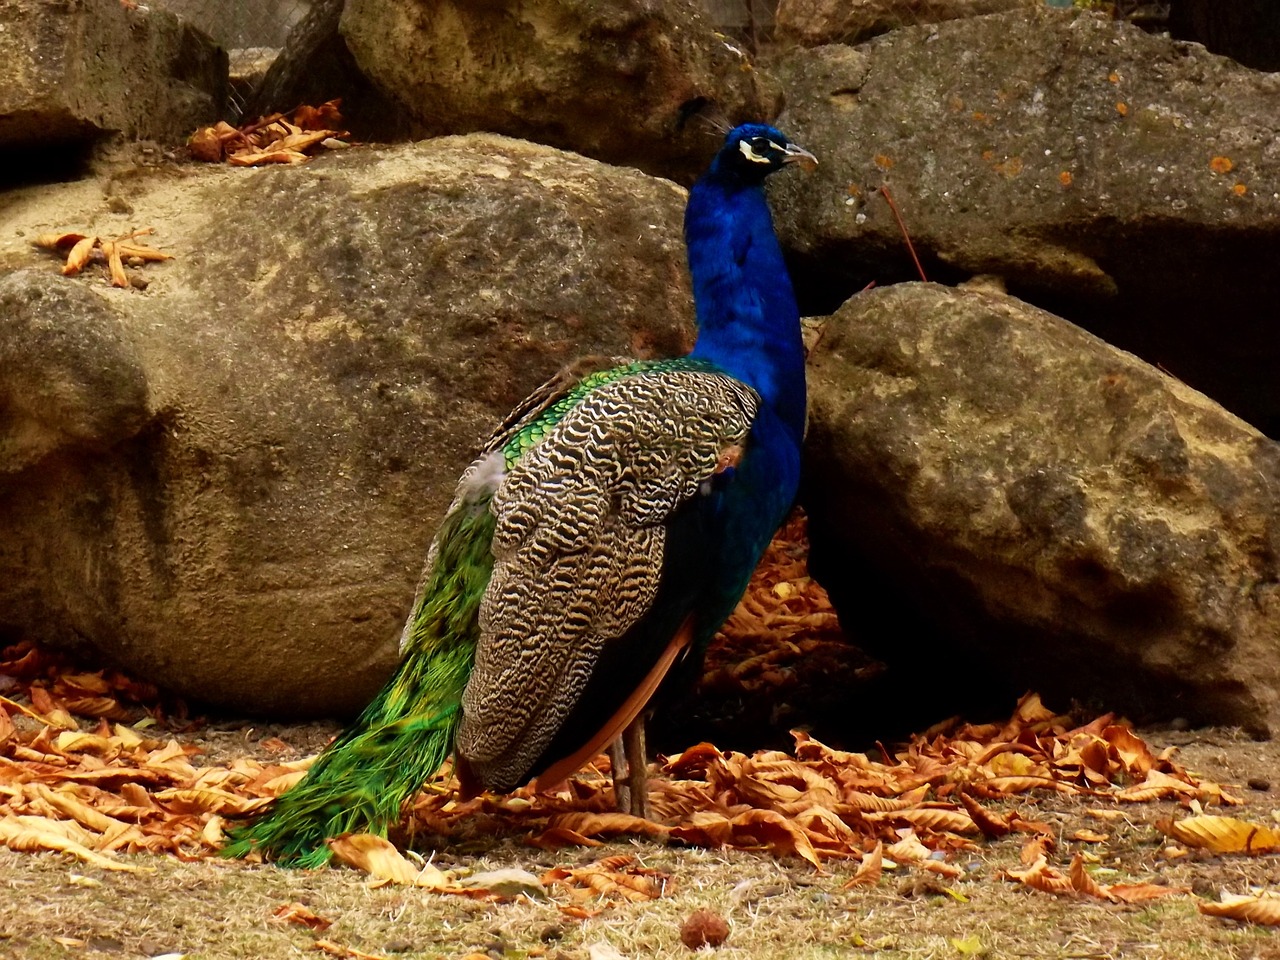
pixel 758 149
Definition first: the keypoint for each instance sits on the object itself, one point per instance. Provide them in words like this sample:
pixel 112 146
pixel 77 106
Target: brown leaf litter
pixel 278 138
pixel 76 778
pixel 82 249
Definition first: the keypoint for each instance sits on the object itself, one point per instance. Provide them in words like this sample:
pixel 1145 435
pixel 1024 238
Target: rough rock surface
pixel 227 482
pixel 998 498
pixel 315 66
pixel 1127 182
pixel 149 75
pixel 611 81
pixel 815 22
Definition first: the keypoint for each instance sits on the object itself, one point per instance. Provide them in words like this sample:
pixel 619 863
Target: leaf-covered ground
pixel 1038 836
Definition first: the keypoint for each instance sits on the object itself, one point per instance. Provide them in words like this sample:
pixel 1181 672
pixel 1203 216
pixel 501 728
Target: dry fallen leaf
pixel 379 858
pixel 869 870
pixel 99 788
pixel 1223 835
pixel 81 250
pixel 30 835
pixel 618 877
pixel 344 952
pixel 278 138
pixel 1264 910
pixel 301 915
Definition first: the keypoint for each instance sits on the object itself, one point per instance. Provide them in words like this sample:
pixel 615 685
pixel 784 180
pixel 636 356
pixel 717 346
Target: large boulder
pixel 1125 181
pixel 227 481
pixel 815 22
pixel 1000 501
pixel 315 66
pixel 76 70
pixel 614 81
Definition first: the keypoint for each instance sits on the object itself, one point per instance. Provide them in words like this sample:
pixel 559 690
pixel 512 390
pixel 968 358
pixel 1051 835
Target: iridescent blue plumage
pixel 605 532
pixel 749 326
pixel 748 321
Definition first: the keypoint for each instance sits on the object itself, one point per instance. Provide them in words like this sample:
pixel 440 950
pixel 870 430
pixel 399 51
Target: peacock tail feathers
pixel 607 528
pixel 359 782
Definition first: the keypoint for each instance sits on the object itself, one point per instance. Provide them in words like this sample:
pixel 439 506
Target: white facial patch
pixel 749 152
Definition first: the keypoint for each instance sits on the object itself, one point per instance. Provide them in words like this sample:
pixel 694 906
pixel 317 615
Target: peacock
pixel 605 532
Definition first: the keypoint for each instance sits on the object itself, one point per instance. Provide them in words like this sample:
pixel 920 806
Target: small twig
pixel 903 227
pixel 243 132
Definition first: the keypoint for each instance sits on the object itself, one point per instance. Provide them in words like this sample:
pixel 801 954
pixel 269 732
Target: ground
pixel 197 906
pixel 776 908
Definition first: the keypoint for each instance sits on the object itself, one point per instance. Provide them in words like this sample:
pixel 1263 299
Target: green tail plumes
pixel 361 780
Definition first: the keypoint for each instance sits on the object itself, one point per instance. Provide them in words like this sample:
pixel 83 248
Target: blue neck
pixel 748 321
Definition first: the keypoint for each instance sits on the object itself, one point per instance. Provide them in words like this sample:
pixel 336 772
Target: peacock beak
pixel 797 154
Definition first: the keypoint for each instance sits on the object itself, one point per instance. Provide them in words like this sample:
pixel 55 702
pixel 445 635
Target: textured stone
pixel 815 22
pixel 1127 182
pixel 315 66
pixel 238 503
pixel 999 501
pixel 612 81
pixel 72 70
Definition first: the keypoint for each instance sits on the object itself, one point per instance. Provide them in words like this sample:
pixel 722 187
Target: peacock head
pixel 752 151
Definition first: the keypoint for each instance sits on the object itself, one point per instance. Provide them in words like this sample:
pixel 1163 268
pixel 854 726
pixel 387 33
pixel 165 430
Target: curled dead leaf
pixel 1082 881
pixel 31 834
pixel 1262 910
pixel 302 915
pixel 618 877
pixel 82 249
pixel 379 858
pixel 79 255
pixel 344 952
pixel 1223 835
pixel 869 870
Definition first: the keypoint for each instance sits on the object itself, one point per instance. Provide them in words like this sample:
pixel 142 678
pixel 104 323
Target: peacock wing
pixel 581 528
pixel 480 479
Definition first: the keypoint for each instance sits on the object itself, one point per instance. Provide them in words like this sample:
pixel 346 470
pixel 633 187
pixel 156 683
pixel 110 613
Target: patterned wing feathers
pixel 578 548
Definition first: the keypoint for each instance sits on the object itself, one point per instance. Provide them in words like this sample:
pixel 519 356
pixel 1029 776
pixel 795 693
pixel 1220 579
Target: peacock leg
pixel 617 764
pixel 637 767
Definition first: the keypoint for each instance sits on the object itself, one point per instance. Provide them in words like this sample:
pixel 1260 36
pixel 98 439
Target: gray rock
pixel 315 66
pixel 999 499
pixel 611 81
pixel 815 22
pixel 318 364
pixel 74 71
pixel 1127 182
pixel 72 380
